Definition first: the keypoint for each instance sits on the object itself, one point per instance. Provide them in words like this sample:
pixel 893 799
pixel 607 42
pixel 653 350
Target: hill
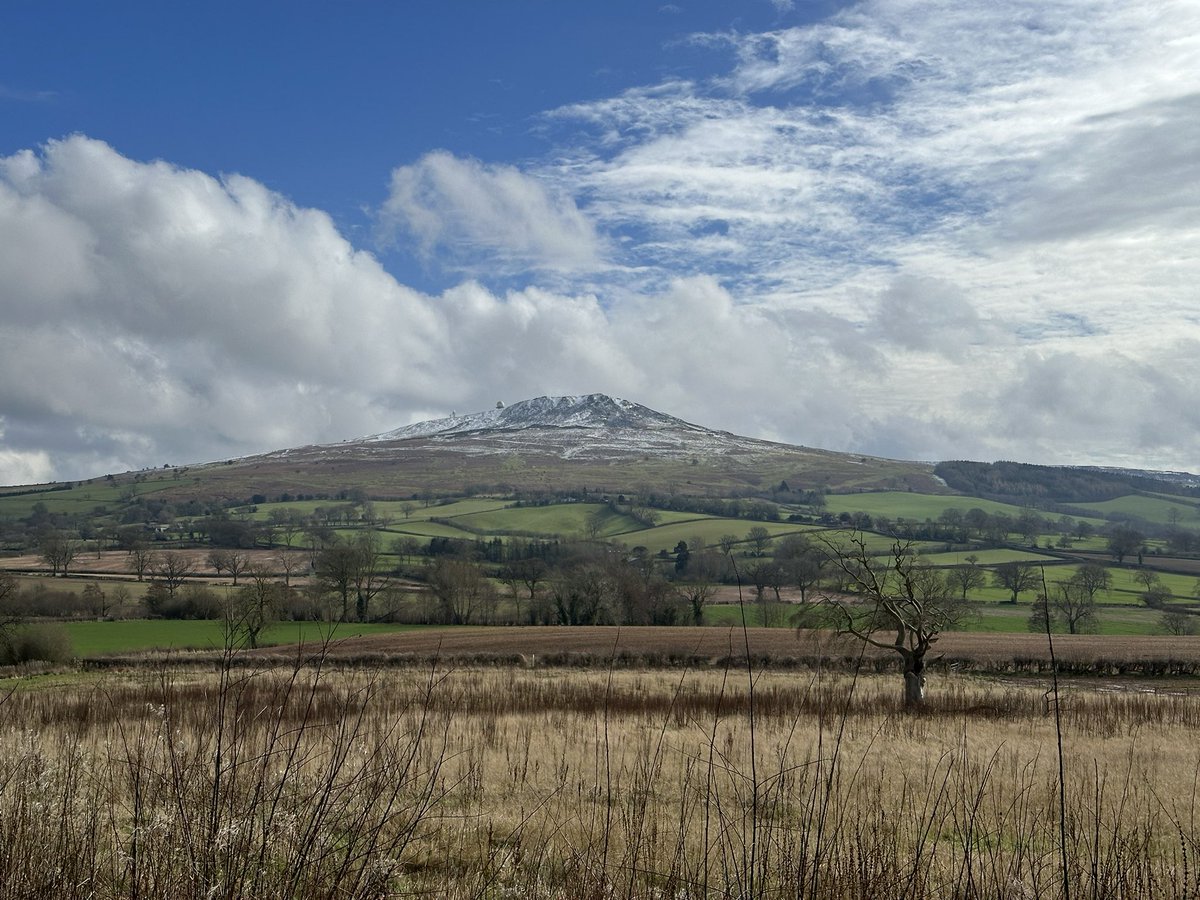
pixel 592 443
pixel 581 446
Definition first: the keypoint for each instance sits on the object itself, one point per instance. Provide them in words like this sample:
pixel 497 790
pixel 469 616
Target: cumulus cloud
pixel 468 210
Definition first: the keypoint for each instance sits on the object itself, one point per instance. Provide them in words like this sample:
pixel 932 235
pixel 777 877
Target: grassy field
pixel 986 557
pixel 1160 510
pixel 911 505
pixel 89 639
pixel 555 783
pixel 1112 619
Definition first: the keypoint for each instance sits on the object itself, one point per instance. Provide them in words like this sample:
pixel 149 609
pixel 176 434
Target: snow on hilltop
pixel 593 411
pixel 593 426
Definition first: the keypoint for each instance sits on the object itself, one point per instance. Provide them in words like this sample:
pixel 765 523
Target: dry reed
pixel 297 782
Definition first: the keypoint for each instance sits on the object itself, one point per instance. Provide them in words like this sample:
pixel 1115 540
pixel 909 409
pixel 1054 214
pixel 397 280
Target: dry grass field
pixel 274 781
pixel 777 647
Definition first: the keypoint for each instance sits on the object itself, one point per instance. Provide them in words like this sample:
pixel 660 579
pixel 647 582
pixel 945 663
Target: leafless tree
pixel 463 593
pixel 1017 577
pixel 1069 606
pixel 898 604
pixel 290 564
pixel 234 562
pixel 95 600
pixel 1177 622
pixel 10 615
pixel 141 558
pixel 58 550
pixel 252 608
pixel 759 538
pixel 966 578
pixel 172 570
pixel 351 569
pixel 696 595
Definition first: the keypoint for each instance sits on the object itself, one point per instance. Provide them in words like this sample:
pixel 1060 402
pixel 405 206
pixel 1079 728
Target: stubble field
pixel 452 780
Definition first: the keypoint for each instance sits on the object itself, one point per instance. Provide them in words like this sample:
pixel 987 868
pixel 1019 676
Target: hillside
pixel 591 443
pixel 596 444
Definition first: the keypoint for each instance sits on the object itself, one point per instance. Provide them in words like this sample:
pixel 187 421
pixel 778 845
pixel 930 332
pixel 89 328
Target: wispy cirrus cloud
pixel 25 95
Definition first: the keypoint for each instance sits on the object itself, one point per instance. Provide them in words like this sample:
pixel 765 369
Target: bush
pixel 46 642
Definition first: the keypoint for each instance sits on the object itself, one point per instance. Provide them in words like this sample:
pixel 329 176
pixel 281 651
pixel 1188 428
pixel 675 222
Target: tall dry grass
pixel 302 781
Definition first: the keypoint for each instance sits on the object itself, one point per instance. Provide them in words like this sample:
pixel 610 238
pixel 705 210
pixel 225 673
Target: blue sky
pixel 926 230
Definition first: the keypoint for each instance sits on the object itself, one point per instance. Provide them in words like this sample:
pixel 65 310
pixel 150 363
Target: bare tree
pixel 141 558
pixel 351 570
pixel 759 538
pixel 336 566
pixel 254 607
pixel 290 564
pixel 172 570
pixel 528 573
pixel 584 595
pixel 966 578
pixel 286 523
pixel 803 563
pixel 234 562
pixel 10 615
pixel 1069 606
pixel 1092 578
pixel 897 596
pixel 1147 578
pixel 1123 541
pixel 1177 622
pixel 1016 577
pixel 368 579
pixel 462 592
pixel 58 550
pixel 696 595
pixel 95 600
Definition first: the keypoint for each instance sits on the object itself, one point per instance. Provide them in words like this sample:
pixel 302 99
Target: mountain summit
pixel 556 444
pixel 591 426
pixel 590 411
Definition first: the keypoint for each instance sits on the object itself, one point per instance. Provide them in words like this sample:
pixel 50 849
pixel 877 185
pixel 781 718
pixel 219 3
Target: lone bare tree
pixel 1017 577
pixel 254 607
pixel 893 594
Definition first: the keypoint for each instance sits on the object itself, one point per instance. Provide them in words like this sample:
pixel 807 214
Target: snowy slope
pixel 593 426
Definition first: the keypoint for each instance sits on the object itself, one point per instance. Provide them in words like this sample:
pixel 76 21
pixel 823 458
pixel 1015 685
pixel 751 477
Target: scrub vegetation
pixel 307 780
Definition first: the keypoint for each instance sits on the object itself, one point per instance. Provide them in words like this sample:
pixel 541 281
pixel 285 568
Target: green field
pixel 709 530
pixel 560 519
pixel 911 505
pixel 98 638
pixel 1151 508
pixel 80 500
pixel 986 557
pixel 919 507
pixel 1115 620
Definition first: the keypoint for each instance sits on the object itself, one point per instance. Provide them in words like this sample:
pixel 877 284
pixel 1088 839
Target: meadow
pixel 97 638
pixel 315 781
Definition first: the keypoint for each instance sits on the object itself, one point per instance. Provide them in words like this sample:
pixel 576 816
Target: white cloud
pixel 467 209
pixel 31 467
pixel 931 230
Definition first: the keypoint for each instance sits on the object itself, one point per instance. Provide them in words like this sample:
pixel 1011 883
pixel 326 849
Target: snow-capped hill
pixel 592 411
pixel 554 443
pixel 593 426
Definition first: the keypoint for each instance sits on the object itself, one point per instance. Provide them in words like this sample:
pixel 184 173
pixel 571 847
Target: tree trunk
pixel 914 688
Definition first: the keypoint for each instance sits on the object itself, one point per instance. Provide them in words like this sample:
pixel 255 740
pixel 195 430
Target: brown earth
pixel 682 643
